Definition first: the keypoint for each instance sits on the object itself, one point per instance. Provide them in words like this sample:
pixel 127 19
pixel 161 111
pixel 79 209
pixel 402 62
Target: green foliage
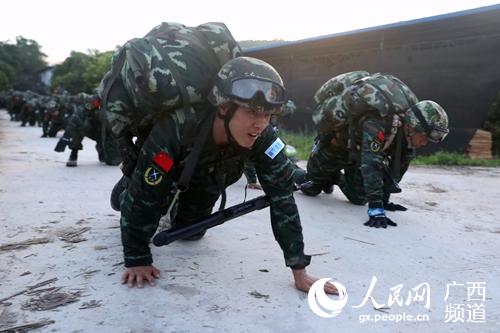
pixel 82 72
pixel 492 124
pixel 4 81
pixel 455 159
pixel 302 142
pixel 20 62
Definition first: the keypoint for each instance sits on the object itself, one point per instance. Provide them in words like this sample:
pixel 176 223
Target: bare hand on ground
pixel 139 274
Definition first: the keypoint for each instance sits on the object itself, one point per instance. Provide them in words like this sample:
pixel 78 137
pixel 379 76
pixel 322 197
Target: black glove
pixel 379 221
pixel 394 207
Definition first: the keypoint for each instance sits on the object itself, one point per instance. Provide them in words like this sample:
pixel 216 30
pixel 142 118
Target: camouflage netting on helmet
pixel 432 112
pixel 331 112
pixel 197 54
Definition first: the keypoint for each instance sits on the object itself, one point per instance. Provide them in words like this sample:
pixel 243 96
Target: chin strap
pixel 230 138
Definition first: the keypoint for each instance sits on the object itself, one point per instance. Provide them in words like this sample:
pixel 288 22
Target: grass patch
pixel 302 142
pixel 444 158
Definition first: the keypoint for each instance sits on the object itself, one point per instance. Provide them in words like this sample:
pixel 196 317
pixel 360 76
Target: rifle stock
pixel 168 236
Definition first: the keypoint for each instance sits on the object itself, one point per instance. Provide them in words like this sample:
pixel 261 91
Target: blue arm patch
pixel 275 148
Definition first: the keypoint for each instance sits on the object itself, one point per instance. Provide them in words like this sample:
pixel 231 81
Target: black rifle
pixel 63 142
pixel 168 236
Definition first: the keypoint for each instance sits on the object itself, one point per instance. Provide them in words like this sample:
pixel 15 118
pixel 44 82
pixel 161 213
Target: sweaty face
pixel 246 125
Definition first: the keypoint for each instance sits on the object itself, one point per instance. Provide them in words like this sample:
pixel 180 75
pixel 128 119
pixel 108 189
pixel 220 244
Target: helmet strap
pixel 227 118
pixel 422 120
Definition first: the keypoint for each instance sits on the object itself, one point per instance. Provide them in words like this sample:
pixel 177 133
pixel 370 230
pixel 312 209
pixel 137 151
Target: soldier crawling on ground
pixel 368 127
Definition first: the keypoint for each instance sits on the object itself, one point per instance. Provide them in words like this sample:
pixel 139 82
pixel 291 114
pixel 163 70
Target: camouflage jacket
pixel 377 164
pixel 160 164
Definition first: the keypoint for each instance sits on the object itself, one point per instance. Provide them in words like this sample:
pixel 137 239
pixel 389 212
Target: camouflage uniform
pixel 146 84
pixel 86 122
pixel 54 118
pixel 368 173
pixel 365 149
pixel 150 190
pixel 15 105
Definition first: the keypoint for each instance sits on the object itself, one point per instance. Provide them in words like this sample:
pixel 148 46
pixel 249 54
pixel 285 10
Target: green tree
pixel 20 63
pixel 4 82
pixel 69 74
pixel 82 72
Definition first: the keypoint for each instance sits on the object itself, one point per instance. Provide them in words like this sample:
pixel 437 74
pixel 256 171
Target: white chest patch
pixel 275 148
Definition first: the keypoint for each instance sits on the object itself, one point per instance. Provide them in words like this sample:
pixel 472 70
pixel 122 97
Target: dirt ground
pixel 61 261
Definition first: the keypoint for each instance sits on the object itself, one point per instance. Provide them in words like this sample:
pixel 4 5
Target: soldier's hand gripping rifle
pixel 168 236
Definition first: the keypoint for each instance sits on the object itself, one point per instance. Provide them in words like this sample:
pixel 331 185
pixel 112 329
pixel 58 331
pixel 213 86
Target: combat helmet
pixel 52 104
pixel 249 82
pixel 429 118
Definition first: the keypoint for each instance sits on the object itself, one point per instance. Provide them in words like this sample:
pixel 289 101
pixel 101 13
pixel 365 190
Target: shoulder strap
pixel 194 155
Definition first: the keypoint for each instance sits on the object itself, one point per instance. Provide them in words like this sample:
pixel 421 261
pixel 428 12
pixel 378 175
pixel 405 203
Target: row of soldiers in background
pixel 78 115
pixel 49 112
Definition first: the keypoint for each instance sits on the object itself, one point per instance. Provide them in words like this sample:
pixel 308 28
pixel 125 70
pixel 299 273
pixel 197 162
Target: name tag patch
pixel 275 148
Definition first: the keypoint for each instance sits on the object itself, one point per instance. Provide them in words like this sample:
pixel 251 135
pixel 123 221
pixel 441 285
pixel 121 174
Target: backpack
pixel 173 66
pixel 348 98
pixel 331 112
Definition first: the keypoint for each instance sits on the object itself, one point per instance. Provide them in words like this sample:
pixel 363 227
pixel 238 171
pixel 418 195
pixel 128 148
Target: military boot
pixel 73 157
pixel 311 188
pixel 328 189
pixel 118 189
pixel 338 178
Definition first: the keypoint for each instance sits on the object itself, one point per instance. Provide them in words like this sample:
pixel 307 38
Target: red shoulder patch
pixel 164 161
pixel 381 136
pixel 96 103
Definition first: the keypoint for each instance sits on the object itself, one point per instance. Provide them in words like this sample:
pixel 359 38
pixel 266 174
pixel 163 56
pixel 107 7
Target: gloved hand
pixel 394 207
pixel 378 219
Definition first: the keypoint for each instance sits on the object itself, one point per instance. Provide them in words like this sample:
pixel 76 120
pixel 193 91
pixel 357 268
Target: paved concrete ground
pixel 234 280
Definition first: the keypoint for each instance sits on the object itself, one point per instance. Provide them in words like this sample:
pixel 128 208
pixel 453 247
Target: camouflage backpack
pixel 348 98
pixel 172 66
pixel 331 112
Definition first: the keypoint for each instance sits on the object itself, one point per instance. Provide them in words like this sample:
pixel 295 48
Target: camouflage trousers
pixel 324 168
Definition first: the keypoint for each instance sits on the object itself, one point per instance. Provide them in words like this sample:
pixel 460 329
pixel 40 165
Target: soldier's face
pixel 246 125
pixel 418 140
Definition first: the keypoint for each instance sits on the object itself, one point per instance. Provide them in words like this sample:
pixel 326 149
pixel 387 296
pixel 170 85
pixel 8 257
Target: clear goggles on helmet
pixel 437 134
pixel 246 89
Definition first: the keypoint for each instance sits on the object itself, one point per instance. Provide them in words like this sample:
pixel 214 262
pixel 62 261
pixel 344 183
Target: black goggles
pixel 246 89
